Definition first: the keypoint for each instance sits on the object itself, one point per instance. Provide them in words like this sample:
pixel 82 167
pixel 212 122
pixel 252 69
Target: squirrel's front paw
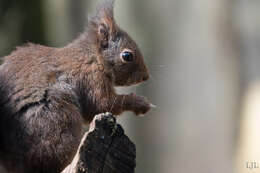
pixel 141 105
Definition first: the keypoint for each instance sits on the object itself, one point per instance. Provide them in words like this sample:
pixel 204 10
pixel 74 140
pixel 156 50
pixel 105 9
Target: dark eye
pixel 127 56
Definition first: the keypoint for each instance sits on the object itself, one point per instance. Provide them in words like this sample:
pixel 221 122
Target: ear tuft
pixel 103 22
pixel 105 11
pixel 107 8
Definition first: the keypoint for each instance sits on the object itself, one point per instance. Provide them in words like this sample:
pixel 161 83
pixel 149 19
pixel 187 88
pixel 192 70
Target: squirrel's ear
pixel 104 22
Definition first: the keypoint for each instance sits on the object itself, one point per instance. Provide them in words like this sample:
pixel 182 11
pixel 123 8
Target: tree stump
pixel 104 149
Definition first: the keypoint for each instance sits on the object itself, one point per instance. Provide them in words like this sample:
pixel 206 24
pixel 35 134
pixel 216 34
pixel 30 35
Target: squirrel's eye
pixel 127 56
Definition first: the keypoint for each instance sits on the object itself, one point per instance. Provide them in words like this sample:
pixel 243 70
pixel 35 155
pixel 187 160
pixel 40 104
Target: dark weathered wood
pixel 104 149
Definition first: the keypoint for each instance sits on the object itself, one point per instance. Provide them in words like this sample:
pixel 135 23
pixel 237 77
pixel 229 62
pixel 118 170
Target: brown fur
pixel 48 93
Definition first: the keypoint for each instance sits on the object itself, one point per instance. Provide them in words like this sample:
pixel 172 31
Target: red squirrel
pixel 47 94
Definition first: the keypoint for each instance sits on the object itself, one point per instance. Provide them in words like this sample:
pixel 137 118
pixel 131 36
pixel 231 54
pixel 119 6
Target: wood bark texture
pixel 104 149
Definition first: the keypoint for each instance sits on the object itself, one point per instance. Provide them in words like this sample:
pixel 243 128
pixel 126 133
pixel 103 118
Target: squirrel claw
pixel 152 105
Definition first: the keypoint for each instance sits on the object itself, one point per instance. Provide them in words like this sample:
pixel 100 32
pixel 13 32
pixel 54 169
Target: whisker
pixel 113 104
pixel 123 100
pixel 155 65
pixel 152 78
pixel 135 87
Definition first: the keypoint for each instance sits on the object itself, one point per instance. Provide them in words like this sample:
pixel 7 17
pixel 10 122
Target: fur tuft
pixel 106 8
pixel 104 13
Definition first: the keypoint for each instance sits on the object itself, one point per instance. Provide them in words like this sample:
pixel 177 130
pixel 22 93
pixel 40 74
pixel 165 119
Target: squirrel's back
pixel 26 73
pixel 39 117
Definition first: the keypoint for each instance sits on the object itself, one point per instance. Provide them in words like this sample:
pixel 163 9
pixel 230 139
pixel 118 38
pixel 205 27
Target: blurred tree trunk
pixel 195 85
pixel 20 22
pixel 65 20
pixel 247 25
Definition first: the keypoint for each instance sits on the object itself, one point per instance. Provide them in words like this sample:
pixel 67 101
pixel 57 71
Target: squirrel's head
pixel 118 51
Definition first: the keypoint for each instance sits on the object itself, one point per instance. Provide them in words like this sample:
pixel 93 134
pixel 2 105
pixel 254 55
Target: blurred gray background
pixel 204 59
